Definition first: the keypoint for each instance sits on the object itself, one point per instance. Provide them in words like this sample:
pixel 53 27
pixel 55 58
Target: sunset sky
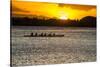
pixel 52 10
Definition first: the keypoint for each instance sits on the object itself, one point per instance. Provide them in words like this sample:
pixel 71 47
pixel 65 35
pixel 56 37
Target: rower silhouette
pixel 31 34
pixel 36 34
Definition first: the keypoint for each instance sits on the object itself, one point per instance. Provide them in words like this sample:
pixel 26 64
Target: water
pixel 77 45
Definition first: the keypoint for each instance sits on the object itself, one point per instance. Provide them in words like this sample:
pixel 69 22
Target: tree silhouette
pixel 87 21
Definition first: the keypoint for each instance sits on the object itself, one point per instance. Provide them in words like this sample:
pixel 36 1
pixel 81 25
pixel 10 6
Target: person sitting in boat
pixel 36 34
pixel 44 34
pixel 53 34
pixel 41 34
pixel 31 34
pixel 49 34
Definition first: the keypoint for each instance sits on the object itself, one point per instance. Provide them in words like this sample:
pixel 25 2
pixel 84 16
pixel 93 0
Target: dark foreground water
pixel 78 45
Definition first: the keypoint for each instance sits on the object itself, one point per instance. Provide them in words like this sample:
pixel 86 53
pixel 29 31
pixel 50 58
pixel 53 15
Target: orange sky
pixel 22 8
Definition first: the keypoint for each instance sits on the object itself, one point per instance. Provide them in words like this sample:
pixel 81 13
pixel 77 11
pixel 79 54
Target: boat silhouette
pixel 44 35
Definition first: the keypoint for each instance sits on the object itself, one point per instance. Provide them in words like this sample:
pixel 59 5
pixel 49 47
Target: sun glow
pixel 59 11
pixel 63 17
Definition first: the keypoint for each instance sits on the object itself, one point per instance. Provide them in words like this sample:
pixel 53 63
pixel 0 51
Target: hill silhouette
pixel 87 21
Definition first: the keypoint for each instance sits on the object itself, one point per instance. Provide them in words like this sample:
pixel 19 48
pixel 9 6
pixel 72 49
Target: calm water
pixel 78 45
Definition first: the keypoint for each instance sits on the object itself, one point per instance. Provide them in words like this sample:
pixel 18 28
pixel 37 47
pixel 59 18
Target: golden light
pixel 59 11
pixel 63 17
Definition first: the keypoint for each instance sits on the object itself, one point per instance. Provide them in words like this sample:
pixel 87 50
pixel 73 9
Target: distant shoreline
pixel 53 26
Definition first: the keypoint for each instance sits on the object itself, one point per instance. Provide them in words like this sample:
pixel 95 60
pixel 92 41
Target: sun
pixel 63 17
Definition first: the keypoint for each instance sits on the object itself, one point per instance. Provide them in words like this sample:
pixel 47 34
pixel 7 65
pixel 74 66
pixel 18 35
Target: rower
pixel 31 34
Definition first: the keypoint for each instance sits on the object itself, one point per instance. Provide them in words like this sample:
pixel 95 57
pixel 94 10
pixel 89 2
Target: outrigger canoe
pixel 44 35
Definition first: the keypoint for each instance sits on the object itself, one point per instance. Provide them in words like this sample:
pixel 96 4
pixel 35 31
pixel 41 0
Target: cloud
pixel 16 9
pixel 77 6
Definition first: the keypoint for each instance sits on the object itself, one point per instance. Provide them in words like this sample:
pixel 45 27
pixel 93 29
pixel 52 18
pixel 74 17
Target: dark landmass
pixel 87 21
